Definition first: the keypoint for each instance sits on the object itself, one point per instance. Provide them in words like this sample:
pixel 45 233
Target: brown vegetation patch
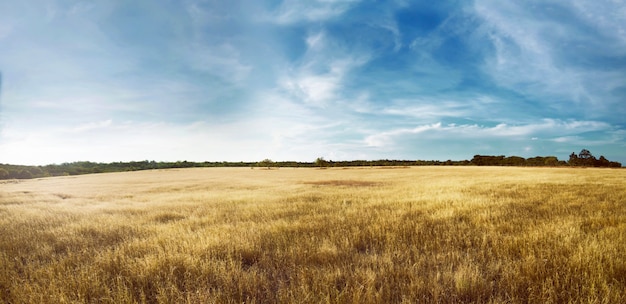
pixel 9 181
pixel 168 217
pixel 344 183
pixel 394 167
pixel 62 195
pixel 11 202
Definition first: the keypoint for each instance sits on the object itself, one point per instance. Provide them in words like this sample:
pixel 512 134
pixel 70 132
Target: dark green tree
pixel 514 161
pixel 321 162
pixel 586 158
pixel 585 154
pixel 488 160
pixel 266 163
pixel 602 162
pixel 573 159
pixel 24 174
pixel 4 174
pixel 551 161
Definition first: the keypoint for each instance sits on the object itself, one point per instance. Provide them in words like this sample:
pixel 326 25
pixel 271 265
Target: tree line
pixel 86 167
pixel 582 159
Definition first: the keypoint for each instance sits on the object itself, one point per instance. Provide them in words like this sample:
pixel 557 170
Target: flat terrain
pixel 359 235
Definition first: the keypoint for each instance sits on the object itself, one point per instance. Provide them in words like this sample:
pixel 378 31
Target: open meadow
pixel 359 235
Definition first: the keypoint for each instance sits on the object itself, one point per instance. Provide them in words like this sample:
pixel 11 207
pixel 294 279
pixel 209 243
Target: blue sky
pixel 120 80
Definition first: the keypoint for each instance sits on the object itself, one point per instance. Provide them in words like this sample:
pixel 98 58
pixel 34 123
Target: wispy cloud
pixel 550 129
pixel 318 88
pixel 545 50
pixel 94 126
pixel 320 76
pixel 292 11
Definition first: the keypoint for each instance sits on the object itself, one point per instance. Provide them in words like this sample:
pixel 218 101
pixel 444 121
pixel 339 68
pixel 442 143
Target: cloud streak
pixel 550 48
pixel 547 127
pixel 293 11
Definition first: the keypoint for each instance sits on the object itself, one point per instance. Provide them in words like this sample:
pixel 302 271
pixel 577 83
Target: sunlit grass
pixel 361 235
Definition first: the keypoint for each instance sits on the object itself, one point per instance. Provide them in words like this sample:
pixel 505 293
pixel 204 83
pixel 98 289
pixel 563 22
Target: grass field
pixel 361 235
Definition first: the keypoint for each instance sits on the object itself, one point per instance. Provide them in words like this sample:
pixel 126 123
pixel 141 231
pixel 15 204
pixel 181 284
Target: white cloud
pixel 315 41
pixel 93 126
pixel 316 89
pixel 546 128
pixel 293 11
pixel 385 138
pixel 319 79
pixel 428 109
pixel 319 88
pixel 460 141
pixel 566 139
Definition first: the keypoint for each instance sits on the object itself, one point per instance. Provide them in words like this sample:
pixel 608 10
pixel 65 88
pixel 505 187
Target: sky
pixel 232 80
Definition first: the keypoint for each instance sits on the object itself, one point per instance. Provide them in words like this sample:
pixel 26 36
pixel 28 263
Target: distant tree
pixel 602 162
pixel 536 161
pixel 586 159
pixel 4 174
pixel 551 161
pixel 585 154
pixel 24 174
pixel 36 171
pixel 488 160
pixel 321 162
pixel 573 159
pixel 514 161
pixel 266 163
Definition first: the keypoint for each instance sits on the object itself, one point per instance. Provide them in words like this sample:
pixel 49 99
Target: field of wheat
pixel 360 235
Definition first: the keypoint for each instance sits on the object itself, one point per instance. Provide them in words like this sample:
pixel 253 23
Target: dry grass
pixel 417 235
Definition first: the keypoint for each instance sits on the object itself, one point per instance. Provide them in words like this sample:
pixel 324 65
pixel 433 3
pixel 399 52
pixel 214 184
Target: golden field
pixel 360 235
